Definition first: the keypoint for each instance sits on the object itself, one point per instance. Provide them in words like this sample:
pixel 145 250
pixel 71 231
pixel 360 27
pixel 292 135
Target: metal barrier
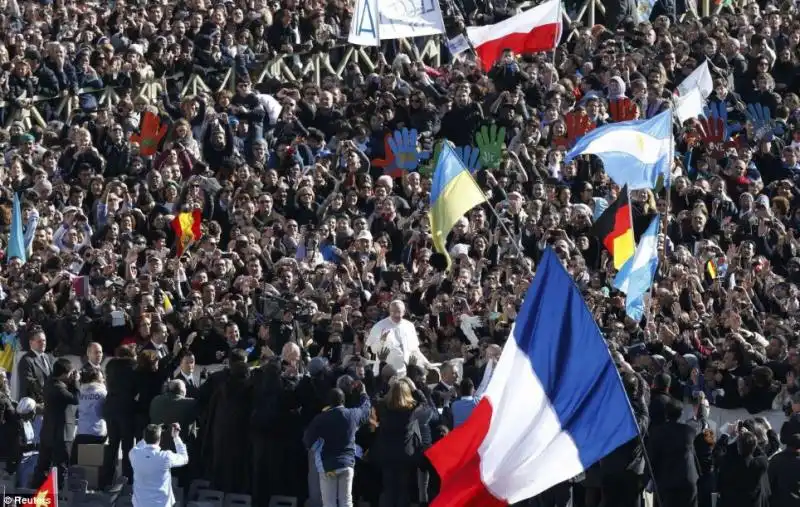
pixel 283 67
pixel 286 68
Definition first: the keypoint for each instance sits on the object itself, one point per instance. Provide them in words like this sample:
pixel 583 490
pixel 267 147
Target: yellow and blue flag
pixel 453 193
pixel 16 238
pixel 634 153
pixel 9 345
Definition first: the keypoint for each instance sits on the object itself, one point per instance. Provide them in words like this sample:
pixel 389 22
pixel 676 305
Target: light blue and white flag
pixel 16 239
pixel 634 153
pixel 636 276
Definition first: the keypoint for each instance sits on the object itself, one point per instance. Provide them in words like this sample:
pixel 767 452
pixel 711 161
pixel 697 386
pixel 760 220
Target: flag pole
pixel 668 187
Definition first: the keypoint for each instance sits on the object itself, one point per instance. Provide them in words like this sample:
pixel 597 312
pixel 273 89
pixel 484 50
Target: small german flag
pixel 716 267
pixel 187 229
pixel 615 229
pixel 711 268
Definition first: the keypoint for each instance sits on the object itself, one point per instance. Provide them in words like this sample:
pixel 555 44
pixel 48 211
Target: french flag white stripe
pixel 526 451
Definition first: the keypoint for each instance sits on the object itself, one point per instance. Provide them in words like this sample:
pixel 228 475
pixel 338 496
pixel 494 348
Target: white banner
pixel 364 25
pixel 458 45
pixel 395 19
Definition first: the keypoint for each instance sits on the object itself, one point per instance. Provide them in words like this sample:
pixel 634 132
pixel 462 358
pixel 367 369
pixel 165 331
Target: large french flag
pixel 555 404
pixel 537 29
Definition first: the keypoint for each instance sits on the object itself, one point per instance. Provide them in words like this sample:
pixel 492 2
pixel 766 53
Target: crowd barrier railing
pixel 315 64
pixel 721 417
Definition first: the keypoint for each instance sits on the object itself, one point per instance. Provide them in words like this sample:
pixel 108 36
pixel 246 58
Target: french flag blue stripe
pixel 570 358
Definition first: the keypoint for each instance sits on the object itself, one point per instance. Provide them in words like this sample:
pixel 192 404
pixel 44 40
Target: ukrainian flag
pixel 634 153
pixel 453 193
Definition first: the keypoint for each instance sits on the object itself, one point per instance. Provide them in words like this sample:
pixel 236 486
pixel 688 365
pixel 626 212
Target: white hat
pixel 26 406
pixel 364 235
pixel 459 249
pixel 385 180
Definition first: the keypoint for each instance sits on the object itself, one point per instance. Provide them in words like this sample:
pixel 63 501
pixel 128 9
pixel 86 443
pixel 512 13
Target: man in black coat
pixel 447 384
pixel 186 374
pixel 783 472
pixel 118 411
pixel 659 399
pixel 671 450
pixel 742 480
pixel 60 393
pixel 34 367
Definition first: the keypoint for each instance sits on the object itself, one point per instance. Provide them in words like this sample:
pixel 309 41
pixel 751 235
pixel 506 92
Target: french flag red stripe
pixel 537 29
pixel 458 463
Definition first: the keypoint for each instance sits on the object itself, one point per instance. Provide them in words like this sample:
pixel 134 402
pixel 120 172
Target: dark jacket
pixel 58 400
pixel 461 123
pixel 743 482
pixel 784 479
pixel 657 409
pixel 121 386
pixel 192 391
pixel 398 439
pixel 170 408
pixel 671 450
pixel 31 376
pixel 336 428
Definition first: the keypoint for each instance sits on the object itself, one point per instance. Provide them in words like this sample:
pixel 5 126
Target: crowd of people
pixel 309 340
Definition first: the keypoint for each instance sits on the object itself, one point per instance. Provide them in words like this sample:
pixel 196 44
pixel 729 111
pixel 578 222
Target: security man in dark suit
pixel 447 385
pixel 34 368
pixel 60 394
pixel 671 449
pixel 186 374
pixel 174 407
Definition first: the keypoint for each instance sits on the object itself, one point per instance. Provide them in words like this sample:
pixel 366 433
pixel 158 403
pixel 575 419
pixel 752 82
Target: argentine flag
pixel 636 276
pixel 634 153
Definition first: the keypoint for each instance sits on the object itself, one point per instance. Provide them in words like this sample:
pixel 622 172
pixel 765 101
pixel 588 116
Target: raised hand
pixel 401 152
pixel 715 123
pixel 712 130
pixel 490 141
pixel 428 167
pixel 761 119
pixel 151 132
pixel 623 109
pixel 470 156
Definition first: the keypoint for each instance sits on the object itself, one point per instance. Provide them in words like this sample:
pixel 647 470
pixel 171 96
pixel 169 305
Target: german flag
pixel 187 229
pixel 615 229
pixel 711 268
pixel 717 267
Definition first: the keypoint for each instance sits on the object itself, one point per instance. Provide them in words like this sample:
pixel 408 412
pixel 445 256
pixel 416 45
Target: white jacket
pixel 152 481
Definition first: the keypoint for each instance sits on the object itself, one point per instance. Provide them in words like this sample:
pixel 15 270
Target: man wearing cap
pixel 28 442
pixel 398 336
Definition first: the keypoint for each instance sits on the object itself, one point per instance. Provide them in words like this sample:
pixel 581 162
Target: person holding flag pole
pixel 453 193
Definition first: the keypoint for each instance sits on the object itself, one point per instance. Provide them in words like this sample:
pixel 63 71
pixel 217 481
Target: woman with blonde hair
pixel 398 443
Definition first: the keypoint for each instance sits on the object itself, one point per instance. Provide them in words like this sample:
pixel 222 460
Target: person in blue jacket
pixel 331 435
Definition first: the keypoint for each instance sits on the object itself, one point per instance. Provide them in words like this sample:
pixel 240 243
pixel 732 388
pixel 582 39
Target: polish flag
pixel 554 406
pixel 537 29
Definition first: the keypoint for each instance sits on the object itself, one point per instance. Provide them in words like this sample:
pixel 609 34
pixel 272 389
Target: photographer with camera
pixel 152 486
